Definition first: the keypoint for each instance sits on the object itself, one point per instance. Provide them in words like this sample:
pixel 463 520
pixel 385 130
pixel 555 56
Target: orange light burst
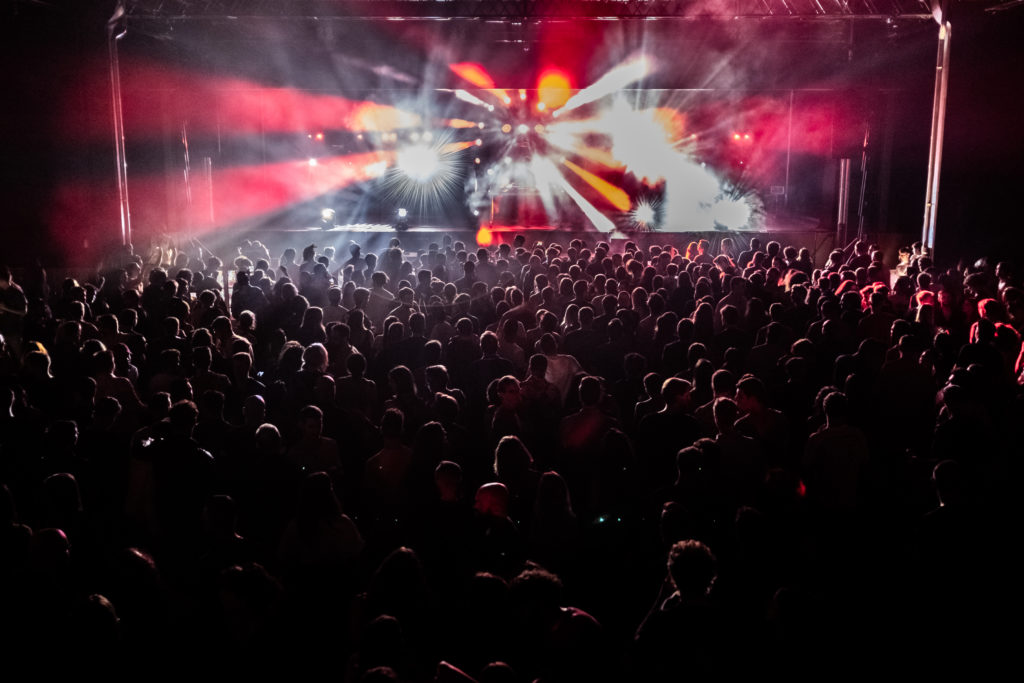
pixel 460 123
pixel 615 195
pixel 484 237
pixel 553 88
pixel 453 147
pixel 376 117
pixel 600 156
pixel 474 73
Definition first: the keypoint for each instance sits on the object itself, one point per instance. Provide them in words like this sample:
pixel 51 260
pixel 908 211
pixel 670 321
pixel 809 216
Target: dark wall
pixel 43 48
pixel 982 183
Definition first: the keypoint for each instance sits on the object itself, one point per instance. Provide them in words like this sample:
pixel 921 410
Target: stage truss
pixel 530 9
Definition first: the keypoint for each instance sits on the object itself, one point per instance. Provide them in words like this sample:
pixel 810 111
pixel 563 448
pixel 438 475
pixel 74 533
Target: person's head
pixel 446 407
pixel 437 378
pixel 448 480
pixel 730 316
pixel 674 391
pixel 254 410
pixel 394 331
pixel 836 407
pixel 725 414
pixel 691 566
pixel 311 422
pixel 268 439
pixel 103 362
pixel 509 396
pixel 211 406
pixel 313 317
pixel 314 358
pixel 492 500
pixel 182 417
pixel 402 381
pixel 489 343
pixel 356 364
pixel 510 330
pixel 548 345
pixel 590 391
pixel 511 458
pixel 538 365
pixel 324 390
pixel 392 424
pixel 464 327
pixel 536 595
pixel 634 364
pixel 247 321
pixel 723 383
pixel 751 395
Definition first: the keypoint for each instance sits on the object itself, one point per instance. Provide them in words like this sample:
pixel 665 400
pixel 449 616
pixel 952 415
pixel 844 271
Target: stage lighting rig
pixel 327 217
pixel 402 220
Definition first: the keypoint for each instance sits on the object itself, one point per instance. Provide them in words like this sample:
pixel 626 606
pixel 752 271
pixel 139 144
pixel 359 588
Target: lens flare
pixel 644 215
pixel 553 88
pixel 425 176
pixel 420 162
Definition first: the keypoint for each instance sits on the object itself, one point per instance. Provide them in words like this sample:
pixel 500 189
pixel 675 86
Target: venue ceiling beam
pixel 528 9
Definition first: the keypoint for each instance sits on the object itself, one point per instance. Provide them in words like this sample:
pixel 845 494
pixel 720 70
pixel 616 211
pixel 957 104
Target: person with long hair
pixel 360 331
pixel 554 534
pixel 311 330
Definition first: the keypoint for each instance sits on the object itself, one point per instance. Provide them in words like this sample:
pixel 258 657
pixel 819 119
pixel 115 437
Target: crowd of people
pixel 564 461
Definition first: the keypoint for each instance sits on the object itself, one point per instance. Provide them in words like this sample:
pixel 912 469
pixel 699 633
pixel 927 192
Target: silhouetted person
pixel 685 635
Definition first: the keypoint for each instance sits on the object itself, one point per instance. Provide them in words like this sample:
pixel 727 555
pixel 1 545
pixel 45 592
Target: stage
pixel 799 231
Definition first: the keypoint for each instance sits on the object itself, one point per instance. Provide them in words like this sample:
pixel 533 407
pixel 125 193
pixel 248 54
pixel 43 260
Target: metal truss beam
pixel 528 9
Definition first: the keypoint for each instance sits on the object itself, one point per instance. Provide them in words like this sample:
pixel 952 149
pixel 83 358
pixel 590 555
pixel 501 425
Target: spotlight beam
pixel 616 79
pixel 616 196
pixel 549 172
pixel 471 98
